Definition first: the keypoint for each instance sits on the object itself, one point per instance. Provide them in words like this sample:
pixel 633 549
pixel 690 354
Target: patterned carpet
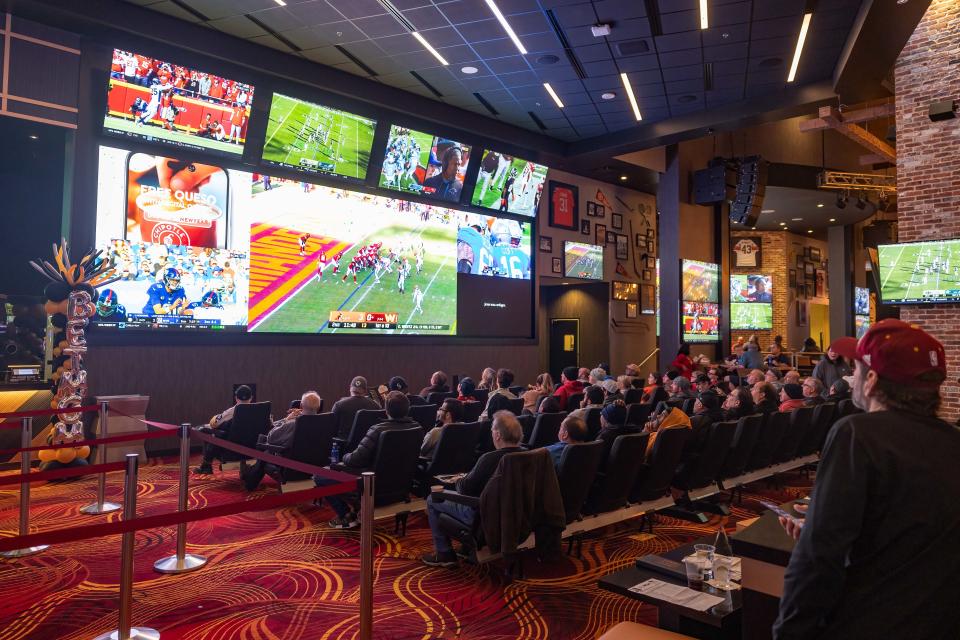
pixel 285 575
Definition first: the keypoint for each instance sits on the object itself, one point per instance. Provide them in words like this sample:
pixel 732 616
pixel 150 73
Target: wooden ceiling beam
pixel 834 119
pixel 858 115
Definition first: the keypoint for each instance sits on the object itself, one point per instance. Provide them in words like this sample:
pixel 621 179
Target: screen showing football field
pixel 317 139
pixel 510 184
pixel 583 260
pixel 422 163
pixel 920 272
pixel 746 315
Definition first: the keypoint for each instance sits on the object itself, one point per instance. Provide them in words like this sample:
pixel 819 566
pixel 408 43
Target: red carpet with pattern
pixel 285 575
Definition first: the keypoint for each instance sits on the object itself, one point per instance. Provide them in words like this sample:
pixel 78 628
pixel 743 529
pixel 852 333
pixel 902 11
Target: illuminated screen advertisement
pixel 510 184
pixel 700 281
pixel 701 322
pixel 316 139
pixel 920 272
pixel 425 164
pixel 159 101
pixel 202 247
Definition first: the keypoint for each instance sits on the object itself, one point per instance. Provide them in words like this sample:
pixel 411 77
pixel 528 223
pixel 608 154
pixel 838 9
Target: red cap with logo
pixel 898 351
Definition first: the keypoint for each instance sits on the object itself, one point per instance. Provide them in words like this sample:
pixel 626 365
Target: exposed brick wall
pixel 928 171
pixel 774 263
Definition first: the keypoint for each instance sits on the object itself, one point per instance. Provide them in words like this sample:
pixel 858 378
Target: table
pixel 711 624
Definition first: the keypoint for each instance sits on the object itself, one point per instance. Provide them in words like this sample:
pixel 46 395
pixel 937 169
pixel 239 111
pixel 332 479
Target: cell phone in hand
pixel 778 510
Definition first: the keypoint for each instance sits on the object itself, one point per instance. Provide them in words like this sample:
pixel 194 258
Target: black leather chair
pixel 573 402
pixel 744 440
pixel 472 411
pixel 701 471
pixel 545 429
pixel 632 396
pixel 526 423
pixel 846 408
pixel 774 428
pixel 687 406
pixel 638 414
pixel 312 440
pixel 249 422
pixel 425 415
pixel 362 421
pixel 653 477
pixel 611 489
pixel 578 467
pixel 395 466
pixel 455 450
pixel 482 395
pixel 517 390
pixel 484 437
pixel 820 422
pixel 799 425
pixel 437 397
pixel 592 419
pixel 516 406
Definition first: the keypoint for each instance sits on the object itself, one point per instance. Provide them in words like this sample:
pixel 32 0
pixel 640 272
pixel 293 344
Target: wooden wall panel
pixel 588 302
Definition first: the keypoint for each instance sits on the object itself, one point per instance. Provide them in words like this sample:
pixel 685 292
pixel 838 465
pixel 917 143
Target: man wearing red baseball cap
pixel 877 555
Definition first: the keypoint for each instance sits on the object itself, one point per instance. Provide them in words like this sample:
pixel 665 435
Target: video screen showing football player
pixel 108 307
pixel 492 246
pixel 167 297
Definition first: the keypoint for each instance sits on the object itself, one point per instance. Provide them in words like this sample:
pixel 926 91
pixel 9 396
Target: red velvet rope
pixel 43 412
pixel 58 474
pixel 127 437
pixel 61 536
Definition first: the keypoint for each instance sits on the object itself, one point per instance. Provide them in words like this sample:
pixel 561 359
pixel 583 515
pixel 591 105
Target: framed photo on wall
pixel 808 271
pixel 646 275
pixel 747 252
pixel 651 247
pixel 616 221
pixel 546 244
pixel 623 246
pixel 640 241
pixel 814 253
pixel 600 234
pixel 801 260
pixel 648 302
pixel 611 237
pixel 651 262
pixel 563 206
pixel 793 278
pixel 820 280
pixel 631 309
pixel 601 210
pixel 625 290
pixel 557 265
pixel 591 209
pixel 585 227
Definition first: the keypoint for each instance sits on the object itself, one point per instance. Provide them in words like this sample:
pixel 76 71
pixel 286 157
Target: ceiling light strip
pixel 800 40
pixel 553 94
pixel 704 21
pixel 429 47
pixel 633 99
pixel 506 26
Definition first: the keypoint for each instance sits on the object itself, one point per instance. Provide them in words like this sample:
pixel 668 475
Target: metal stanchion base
pixel 136 633
pixel 172 564
pixel 96 509
pixel 22 553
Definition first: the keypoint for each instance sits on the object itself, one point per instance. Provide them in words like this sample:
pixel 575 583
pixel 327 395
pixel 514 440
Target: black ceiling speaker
pixel 715 184
pixel 942 110
pixel 751 188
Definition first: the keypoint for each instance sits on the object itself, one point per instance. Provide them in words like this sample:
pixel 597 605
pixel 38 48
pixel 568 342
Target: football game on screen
pixel 422 163
pixel 317 139
pixel 159 101
pixel 509 184
pixel 920 272
pixel 583 260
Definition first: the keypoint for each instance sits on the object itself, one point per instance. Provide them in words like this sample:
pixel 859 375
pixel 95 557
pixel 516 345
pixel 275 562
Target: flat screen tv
pixel 751 288
pixel 582 260
pixel 920 272
pixel 154 100
pixel 508 184
pixel 862 324
pixel 239 252
pixel 861 301
pixel 700 322
pixel 316 139
pixel 700 281
pixel 424 164
pixel 751 315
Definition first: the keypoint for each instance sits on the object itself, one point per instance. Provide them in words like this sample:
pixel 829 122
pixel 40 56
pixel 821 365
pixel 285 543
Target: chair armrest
pixel 458 498
pixel 272 448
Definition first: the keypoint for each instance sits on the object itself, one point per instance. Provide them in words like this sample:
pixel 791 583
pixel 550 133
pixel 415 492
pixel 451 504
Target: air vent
pixel 486 104
pixel 429 86
pixel 355 60
pixel 548 59
pixel 567 49
pixel 273 33
pixel 633 47
pixel 537 121
pixel 770 63
pixel 708 76
pixel 653 17
pixel 687 99
pixel 183 5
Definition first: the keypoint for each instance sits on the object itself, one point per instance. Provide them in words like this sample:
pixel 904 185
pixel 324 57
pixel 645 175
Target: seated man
pixel 281 435
pixel 345 409
pixel 812 392
pixel 507 433
pixel 465 390
pixel 450 412
pixel 791 397
pixel 438 384
pixel 569 385
pixel 361 459
pixel 613 424
pixel 572 431
pixel 592 399
pixel 791 377
pixel 397 383
pixel 220 424
pixel 772 375
pixel 701 383
pixel 498 400
pixel 754 377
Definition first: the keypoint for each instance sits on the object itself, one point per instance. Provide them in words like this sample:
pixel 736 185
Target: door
pixel 564 345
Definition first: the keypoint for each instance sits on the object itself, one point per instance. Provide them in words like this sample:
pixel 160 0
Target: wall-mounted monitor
pixel 700 281
pixel 751 288
pixel 424 164
pixel 508 184
pixel 203 247
pixel 582 260
pixel 162 102
pixel 747 315
pixel 862 323
pixel 861 301
pixel 920 272
pixel 316 139
pixel 700 322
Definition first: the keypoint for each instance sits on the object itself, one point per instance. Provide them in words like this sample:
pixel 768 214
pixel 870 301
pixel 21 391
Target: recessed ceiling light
pixel 725 35
pixel 804 27
pixel 902 1
pixel 809 230
pixel 820 205
pixel 833 219
pixel 768 210
pixel 469 70
pixel 33 137
pixel 553 94
pixel 548 59
pixel 796 219
pixel 429 47
pixel 633 99
pixel 506 27
pixel 704 23
pixel 623 177
pixel 783 224
pixel 608 95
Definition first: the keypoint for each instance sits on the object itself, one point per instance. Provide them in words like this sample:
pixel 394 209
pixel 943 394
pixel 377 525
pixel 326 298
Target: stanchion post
pixel 26 436
pixel 366 557
pixel 100 506
pixel 182 562
pixel 124 630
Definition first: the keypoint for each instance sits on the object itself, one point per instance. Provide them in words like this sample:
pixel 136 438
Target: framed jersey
pixel 564 202
pixel 747 252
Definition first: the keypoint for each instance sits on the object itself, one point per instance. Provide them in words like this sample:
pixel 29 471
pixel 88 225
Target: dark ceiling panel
pixel 311 13
pixel 380 26
pixel 358 8
pixel 427 17
pixel 576 14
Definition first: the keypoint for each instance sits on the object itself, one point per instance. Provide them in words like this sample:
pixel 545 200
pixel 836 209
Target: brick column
pixel 928 165
pixel 774 264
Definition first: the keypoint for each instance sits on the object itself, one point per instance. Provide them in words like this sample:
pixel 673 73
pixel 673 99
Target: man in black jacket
pixel 507 434
pixel 345 409
pixel 361 458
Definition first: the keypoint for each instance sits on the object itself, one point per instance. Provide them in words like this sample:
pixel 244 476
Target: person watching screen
pixel 345 409
pixel 812 392
pixel 765 398
pixel 465 390
pixel 791 397
pixel 572 431
pixel 569 385
pixel 830 369
pixel 450 412
pixel 220 424
pixel 438 384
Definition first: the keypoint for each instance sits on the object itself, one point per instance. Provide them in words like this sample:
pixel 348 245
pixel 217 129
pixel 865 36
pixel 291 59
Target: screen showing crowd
pixel 425 164
pixel 509 184
pixel 158 101
pixel 317 139
pixel 202 247
pixel 700 322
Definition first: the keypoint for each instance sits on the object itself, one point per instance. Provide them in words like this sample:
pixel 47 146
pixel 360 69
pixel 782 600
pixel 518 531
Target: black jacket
pixel 473 483
pixel 609 434
pixel 363 456
pixel 346 409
